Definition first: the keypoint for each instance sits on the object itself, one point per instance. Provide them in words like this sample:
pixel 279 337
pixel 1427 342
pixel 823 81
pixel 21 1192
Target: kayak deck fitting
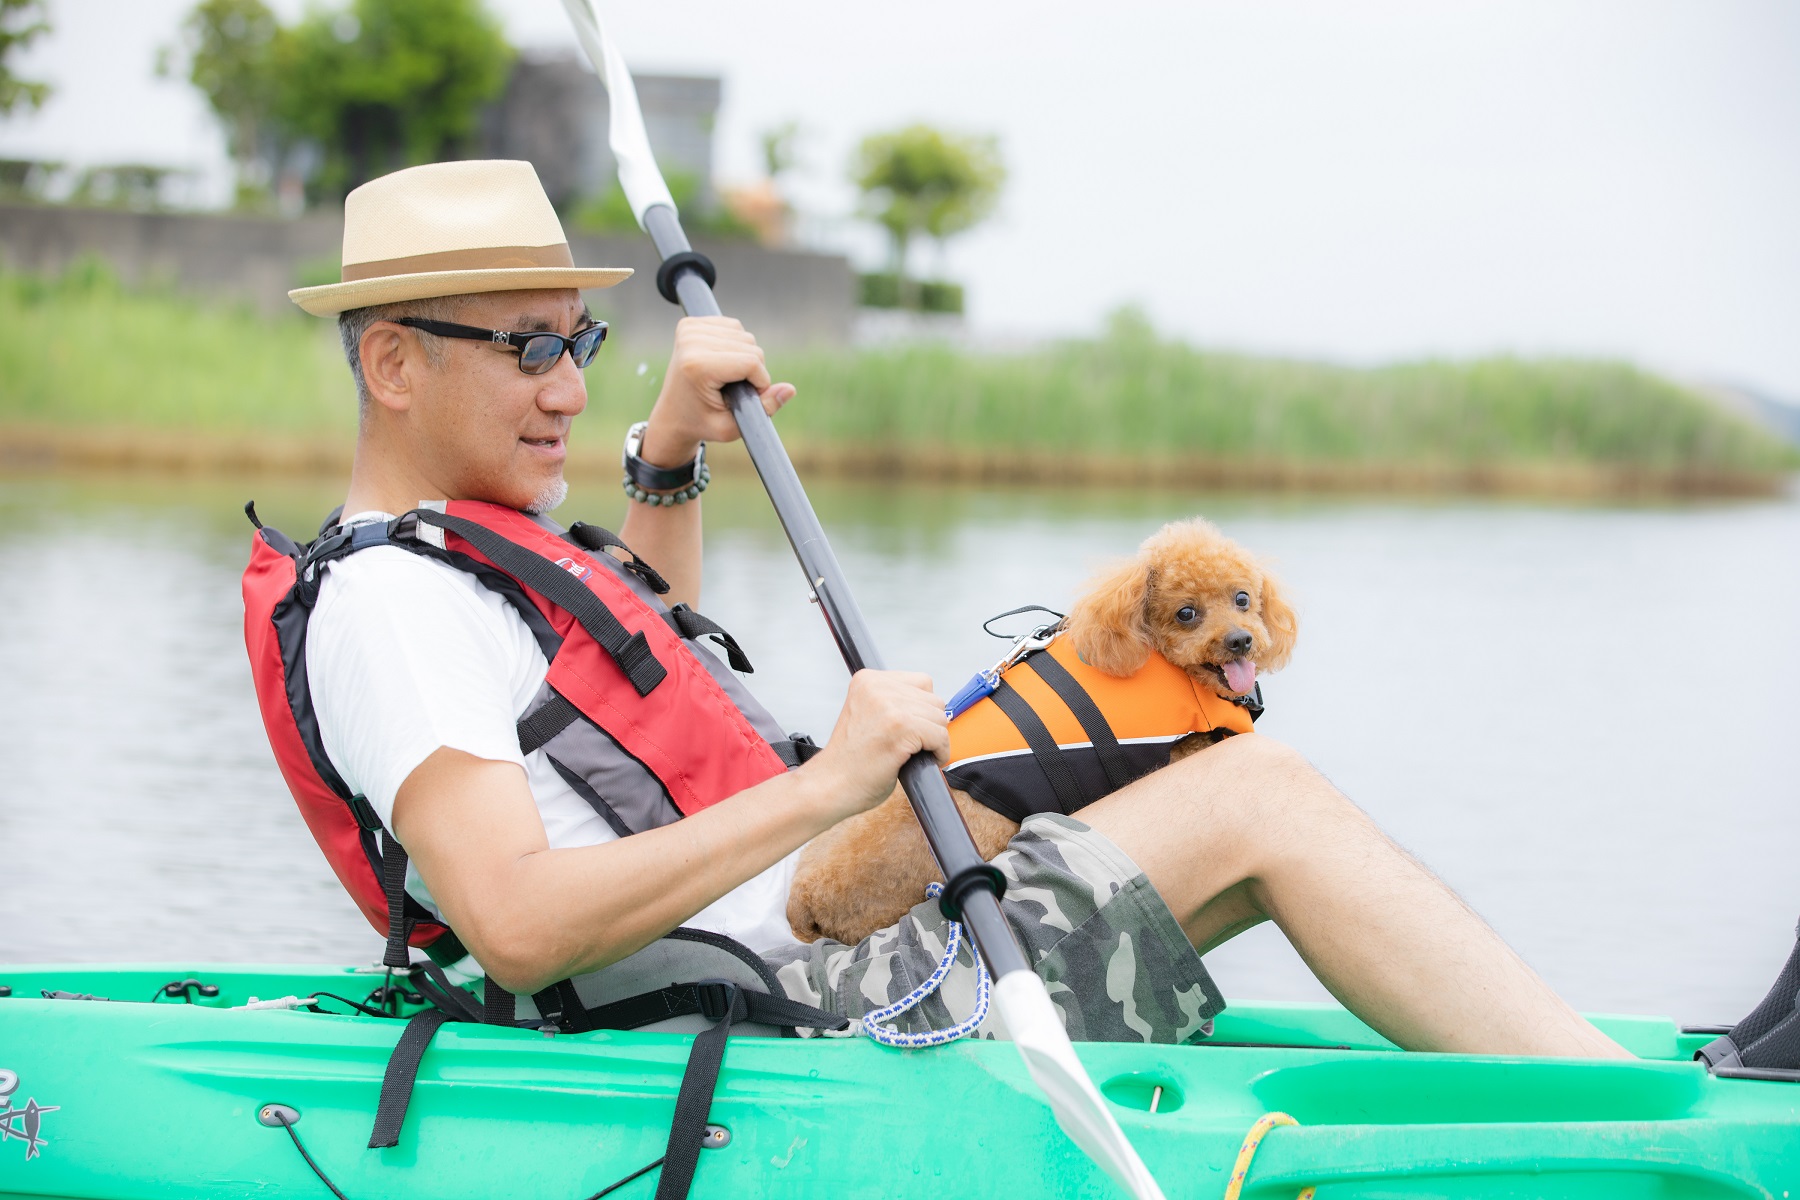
pixel 143 1097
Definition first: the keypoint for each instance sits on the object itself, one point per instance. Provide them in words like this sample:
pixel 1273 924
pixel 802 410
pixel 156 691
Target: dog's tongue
pixel 1240 675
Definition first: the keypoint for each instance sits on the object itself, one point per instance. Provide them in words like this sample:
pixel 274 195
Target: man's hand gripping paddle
pixel 971 887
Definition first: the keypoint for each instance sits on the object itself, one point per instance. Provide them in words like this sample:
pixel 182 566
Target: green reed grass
pixel 1130 393
pixel 80 350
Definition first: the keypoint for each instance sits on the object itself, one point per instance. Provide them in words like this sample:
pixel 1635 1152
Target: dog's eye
pixel 1243 600
pixel 1187 614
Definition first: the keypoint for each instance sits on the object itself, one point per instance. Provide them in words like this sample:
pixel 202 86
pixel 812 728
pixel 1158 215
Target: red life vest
pixel 643 725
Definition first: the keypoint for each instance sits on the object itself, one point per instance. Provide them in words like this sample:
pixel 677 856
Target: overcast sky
pixel 1367 181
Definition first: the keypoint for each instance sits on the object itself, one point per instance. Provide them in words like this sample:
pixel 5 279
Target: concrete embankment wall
pixel 787 298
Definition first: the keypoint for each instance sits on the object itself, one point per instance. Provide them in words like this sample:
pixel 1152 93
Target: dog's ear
pixel 1108 622
pixel 1283 626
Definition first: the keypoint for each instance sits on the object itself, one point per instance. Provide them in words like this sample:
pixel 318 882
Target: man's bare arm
pixel 532 915
pixel 709 353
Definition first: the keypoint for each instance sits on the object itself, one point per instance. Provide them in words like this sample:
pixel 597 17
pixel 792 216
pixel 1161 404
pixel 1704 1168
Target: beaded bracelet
pixel 701 479
pixel 664 486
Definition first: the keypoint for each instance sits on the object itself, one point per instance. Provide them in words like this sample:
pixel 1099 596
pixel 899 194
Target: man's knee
pixel 1249 768
pixel 1260 786
pixel 1265 756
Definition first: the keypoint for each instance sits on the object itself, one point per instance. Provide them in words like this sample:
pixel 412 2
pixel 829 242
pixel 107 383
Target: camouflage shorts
pixel 1116 962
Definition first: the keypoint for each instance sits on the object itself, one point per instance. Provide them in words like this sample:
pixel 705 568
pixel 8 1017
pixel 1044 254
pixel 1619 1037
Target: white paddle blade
pixel 638 173
pixel 1031 1019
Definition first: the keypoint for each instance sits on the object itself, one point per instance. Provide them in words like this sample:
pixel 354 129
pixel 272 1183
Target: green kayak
pixel 161 1095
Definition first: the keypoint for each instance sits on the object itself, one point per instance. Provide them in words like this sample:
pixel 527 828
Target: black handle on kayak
pixel 972 887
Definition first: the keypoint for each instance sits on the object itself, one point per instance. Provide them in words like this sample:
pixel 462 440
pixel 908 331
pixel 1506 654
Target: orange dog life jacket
pixel 1058 734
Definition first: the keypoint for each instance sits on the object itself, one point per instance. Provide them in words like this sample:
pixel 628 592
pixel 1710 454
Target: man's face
pixel 486 430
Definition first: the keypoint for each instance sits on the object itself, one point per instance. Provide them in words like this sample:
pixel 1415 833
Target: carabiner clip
pixel 984 683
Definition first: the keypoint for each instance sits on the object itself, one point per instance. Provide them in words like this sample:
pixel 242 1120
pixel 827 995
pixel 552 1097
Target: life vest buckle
pixel 1252 702
pixel 365 813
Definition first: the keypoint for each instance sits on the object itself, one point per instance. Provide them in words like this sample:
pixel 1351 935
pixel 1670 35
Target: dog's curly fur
pixel 1177 596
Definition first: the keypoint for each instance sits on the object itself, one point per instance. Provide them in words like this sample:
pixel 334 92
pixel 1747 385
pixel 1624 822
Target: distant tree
pixel 27 178
pixel 384 84
pixel 229 47
pixel 778 150
pixel 21 23
pixel 922 180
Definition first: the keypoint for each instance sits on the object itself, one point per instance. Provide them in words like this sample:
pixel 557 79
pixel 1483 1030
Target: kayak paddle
pixel 971 887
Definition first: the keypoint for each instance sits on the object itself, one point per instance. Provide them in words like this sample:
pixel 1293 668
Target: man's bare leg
pixel 1248 831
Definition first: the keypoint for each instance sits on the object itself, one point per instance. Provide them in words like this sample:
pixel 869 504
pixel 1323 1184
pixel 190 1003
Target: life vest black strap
pixel 598 540
pixel 706 999
pixel 693 1102
pixel 393 886
pixel 436 987
pixel 691 625
pixel 795 749
pixel 630 651
pixel 1093 721
pixel 724 1003
pixel 1044 750
pixel 549 719
pixel 402 1071
pixel 560 1005
pixel 497 1004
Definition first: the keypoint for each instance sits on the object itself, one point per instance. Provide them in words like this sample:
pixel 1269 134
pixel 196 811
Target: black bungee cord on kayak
pixel 282 1117
pixel 285 1117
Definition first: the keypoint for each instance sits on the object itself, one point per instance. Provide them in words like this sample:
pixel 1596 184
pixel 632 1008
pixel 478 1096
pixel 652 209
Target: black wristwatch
pixel 661 485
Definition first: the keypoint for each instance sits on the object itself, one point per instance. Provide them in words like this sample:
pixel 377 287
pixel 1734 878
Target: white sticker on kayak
pixel 22 1124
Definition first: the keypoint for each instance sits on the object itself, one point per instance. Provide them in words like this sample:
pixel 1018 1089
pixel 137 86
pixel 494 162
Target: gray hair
pixel 354 322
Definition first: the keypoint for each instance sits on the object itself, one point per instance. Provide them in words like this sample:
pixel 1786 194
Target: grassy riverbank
pixel 97 374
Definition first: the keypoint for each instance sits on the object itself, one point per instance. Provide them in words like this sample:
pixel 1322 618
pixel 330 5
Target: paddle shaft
pixel 972 886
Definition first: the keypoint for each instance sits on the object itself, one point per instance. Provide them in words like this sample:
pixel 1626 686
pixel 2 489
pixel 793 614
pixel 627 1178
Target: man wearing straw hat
pixel 462 319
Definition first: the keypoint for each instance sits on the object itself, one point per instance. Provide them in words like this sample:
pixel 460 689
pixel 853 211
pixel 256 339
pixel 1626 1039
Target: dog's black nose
pixel 1239 641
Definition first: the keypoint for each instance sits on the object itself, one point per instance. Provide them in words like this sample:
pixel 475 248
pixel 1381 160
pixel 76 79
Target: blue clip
pixel 981 685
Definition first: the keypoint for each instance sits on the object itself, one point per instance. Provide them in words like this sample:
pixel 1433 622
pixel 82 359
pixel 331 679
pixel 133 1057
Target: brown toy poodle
pixel 1191 594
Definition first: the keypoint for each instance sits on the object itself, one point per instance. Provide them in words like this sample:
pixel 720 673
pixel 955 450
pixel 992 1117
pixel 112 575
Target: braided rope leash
pixel 888 1036
pixel 1247 1152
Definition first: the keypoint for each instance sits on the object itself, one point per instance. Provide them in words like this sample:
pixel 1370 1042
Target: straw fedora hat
pixel 446 229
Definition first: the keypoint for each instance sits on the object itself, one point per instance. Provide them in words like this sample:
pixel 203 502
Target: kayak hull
pixel 136 1100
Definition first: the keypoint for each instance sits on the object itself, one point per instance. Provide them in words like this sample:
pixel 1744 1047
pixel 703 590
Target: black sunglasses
pixel 538 352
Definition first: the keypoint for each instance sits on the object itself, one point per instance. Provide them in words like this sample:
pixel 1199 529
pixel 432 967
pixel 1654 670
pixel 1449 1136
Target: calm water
pixel 1583 718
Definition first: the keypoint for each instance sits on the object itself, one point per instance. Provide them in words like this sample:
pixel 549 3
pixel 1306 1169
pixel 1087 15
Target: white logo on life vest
pixel 574 568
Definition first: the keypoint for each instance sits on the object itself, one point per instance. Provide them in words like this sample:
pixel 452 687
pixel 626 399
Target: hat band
pixel 477 258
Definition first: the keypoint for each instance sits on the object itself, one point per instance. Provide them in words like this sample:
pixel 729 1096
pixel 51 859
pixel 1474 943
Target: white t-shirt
pixel 405 654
